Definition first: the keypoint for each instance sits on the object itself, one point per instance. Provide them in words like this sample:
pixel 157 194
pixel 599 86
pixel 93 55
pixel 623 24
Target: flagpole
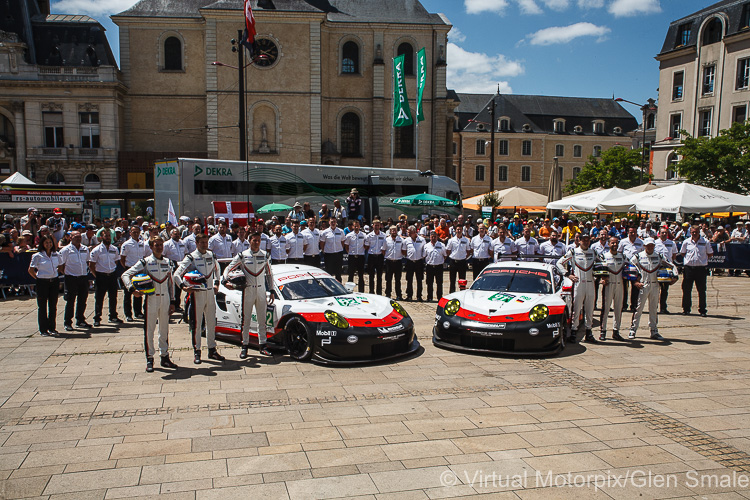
pixel 393 125
pixel 417 163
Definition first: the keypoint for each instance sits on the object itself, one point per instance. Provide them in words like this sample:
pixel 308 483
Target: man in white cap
pixel 297 213
pixel 648 263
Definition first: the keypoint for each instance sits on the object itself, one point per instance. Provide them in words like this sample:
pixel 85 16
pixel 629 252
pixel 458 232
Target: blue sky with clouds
pixel 586 48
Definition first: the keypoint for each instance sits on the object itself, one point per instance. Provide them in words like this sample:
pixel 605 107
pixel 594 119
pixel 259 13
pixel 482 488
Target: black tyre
pixel 299 339
pixel 565 329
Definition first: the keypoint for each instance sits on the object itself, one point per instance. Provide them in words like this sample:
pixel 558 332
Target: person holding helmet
pixel 648 263
pixel 158 304
pixel 202 300
pixel 583 259
pixel 256 265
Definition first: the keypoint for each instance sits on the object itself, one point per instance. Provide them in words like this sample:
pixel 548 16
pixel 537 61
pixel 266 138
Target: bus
pixel 192 184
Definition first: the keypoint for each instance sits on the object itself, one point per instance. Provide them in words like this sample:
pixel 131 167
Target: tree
pixel 490 200
pixel 718 162
pixel 617 167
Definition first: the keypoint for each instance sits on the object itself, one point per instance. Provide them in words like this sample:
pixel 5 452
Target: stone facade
pixel 60 99
pixel 315 103
pixel 704 78
pixel 527 139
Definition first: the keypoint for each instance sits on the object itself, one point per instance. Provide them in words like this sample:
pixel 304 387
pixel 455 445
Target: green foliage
pixel 718 162
pixel 617 167
pixel 490 200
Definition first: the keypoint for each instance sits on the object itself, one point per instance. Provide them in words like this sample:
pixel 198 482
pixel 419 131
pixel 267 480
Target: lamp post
pixel 645 108
pixel 491 109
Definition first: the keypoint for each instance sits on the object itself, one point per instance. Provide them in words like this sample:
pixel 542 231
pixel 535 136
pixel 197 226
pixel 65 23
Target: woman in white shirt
pixel 44 269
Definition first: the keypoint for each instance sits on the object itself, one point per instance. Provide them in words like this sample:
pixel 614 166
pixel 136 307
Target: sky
pixel 574 48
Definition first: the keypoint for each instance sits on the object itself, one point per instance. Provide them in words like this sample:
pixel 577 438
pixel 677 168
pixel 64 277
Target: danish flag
pixel 249 36
pixel 233 211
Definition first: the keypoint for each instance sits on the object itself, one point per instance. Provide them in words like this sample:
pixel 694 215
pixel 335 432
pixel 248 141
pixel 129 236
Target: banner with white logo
pixel 401 112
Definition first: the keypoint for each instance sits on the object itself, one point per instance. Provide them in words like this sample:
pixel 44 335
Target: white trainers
pixel 631 335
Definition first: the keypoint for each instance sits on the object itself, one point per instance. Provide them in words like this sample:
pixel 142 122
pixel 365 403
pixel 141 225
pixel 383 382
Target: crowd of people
pixel 110 252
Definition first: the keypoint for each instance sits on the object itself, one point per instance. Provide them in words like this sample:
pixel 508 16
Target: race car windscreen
pixel 514 280
pixel 312 288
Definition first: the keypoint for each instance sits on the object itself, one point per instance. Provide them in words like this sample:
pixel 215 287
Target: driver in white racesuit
pixel 648 263
pixel 582 274
pixel 615 262
pixel 255 264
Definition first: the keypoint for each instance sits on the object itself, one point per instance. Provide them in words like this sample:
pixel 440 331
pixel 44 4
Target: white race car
pixel 511 308
pixel 315 317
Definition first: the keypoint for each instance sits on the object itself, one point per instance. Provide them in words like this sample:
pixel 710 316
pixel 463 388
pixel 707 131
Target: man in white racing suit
pixel 648 263
pixel 582 275
pixel 256 266
pixel 203 303
pixel 615 262
pixel 157 306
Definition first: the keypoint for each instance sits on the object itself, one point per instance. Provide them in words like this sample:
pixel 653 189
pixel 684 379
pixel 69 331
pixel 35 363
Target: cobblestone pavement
pixel 80 418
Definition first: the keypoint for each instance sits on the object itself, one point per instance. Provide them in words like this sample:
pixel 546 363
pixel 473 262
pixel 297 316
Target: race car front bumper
pixel 519 337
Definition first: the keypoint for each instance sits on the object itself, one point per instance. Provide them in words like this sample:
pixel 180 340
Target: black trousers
pixel 106 283
pixel 434 276
pixel 694 275
pixel 47 291
pixel 458 267
pixel 375 270
pixel 634 291
pixel 414 269
pixel 357 266
pixel 295 261
pixel 334 263
pixel 76 293
pixel 312 260
pixel 392 273
pixel 663 295
pixel 478 266
pixel 128 299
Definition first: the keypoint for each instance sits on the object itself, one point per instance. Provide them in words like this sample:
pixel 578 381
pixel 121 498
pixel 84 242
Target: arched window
pixel 350 58
pixel 671 172
pixel 55 178
pixel 350 135
pixel 408 51
pixel 712 32
pixel 173 54
pixel 479 173
pixel 92 181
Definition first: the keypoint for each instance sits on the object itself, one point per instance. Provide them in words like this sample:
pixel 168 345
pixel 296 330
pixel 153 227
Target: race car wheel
pixel 299 339
pixel 565 329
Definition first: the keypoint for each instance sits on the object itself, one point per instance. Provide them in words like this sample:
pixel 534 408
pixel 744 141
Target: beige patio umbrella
pixel 511 198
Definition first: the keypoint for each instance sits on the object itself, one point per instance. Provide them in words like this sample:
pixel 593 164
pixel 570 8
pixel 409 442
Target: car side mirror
pixel 350 286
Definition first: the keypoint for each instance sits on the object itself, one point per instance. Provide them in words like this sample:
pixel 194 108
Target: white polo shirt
pixel 332 240
pixel 75 260
pixel 458 248
pixel 104 258
pixel 356 243
pixel 696 252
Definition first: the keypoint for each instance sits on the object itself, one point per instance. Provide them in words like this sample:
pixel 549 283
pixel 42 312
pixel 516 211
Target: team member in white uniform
pixel 459 251
pixel 629 247
pixel 131 252
pixel 256 266
pixel 435 254
pixel 221 243
pixel 295 245
pixel 527 246
pixel 74 259
pixel 203 303
pixel 648 263
pixel 667 249
pixel 240 244
pixel 553 248
pixel 583 259
pixel 44 268
pixel 354 244
pixel 189 240
pixel 375 244
pixel 414 263
pixel 175 250
pixel 278 246
pixel 600 247
pixel 312 250
pixel 481 246
pixel 331 244
pixel 103 263
pixel 615 263
pixel 159 305
pixel 503 247
pixel 394 251
pixel 696 251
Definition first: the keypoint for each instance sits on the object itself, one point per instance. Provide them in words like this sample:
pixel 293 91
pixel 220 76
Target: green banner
pixel 401 111
pixel 421 80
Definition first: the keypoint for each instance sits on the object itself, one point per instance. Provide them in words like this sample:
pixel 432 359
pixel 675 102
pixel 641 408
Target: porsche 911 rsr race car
pixel 511 308
pixel 315 317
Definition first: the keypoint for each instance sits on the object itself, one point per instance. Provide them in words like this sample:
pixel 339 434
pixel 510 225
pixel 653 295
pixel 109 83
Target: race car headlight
pixel 452 307
pixel 399 309
pixel 539 313
pixel 336 319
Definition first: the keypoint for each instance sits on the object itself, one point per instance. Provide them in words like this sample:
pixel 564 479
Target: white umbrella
pixel 680 198
pixel 586 202
pixel 17 179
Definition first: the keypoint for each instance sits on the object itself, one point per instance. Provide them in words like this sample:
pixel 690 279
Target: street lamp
pixel 649 106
